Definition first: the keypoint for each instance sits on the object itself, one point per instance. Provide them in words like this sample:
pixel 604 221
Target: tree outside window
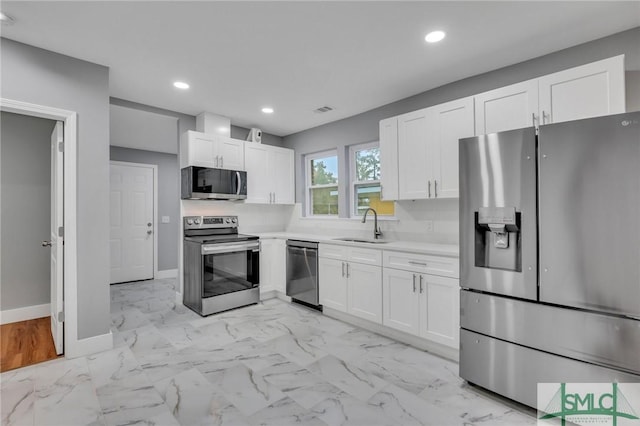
pixel 365 179
pixel 322 184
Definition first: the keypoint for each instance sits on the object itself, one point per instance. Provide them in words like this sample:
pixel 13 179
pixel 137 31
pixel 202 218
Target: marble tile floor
pixel 274 363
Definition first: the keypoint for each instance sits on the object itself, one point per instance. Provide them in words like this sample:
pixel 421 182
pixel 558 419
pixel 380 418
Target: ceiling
pixel 298 56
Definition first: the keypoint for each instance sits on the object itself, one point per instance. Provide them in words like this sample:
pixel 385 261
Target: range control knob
pixel 234 220
pixel 228 220
pixel 189 221
pixel 196 221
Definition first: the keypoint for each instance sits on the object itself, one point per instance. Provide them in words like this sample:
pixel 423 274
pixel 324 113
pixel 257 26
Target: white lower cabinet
pixel 333 284
pixel 421 304
pixel 365 291
pixel 401 306
pixel 351 280
pixel 273 265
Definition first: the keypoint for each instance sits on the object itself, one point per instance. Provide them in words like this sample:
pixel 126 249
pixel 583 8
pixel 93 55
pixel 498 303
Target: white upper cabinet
pixel 270 174
pixel 587 91
pixel 207 150
pixel 389 158
pixel 413 151
pixel 428 149
pixel 507 108
pixel 448 123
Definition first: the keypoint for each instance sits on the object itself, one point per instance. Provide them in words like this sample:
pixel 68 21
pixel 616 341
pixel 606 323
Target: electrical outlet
pixel 165 219
pixel 429 225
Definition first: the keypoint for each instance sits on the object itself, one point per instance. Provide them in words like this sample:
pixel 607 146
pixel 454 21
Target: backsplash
pixel 253 218
pixel 411 224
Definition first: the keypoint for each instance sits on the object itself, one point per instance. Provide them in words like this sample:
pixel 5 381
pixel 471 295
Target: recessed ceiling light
pixel 267 110
pixel 6 19
pixel 434 36
pixel 181 85
pixel 223 129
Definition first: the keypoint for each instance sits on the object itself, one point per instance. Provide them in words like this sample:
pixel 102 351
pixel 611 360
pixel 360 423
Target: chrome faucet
pixel 376 231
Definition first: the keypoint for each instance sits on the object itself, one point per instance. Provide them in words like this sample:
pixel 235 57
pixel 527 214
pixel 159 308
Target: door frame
pixel 154 168
pixel 72 346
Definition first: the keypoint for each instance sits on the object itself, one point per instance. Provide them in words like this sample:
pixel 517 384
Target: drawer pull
pixel 412 262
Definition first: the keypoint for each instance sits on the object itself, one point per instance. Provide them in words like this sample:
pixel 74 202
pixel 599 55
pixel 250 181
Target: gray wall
pixel 168 199
pixel 25 187
pixel 364 127
pixel 46 78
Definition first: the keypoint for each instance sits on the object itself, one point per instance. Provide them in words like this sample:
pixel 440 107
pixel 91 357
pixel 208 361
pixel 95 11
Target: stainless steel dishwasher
pixel 302 272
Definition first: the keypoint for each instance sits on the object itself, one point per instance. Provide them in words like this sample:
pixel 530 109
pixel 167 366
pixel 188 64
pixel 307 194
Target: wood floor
pixel 25 343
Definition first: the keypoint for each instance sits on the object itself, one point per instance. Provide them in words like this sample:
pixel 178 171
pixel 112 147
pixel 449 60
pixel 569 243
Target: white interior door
pixel 132 218
pixel 57 248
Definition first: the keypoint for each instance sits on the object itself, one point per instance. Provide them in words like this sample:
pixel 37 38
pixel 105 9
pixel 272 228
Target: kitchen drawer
pixel 367 256
pixel 331 251
pixel 423 263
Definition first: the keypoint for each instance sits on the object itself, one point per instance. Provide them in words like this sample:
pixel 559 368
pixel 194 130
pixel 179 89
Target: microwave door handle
pixel 239 183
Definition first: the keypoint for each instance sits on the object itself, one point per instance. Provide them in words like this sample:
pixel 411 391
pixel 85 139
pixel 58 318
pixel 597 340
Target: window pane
pixel 324 201
pixel 368 164
pixel 324 171
pixel 368 195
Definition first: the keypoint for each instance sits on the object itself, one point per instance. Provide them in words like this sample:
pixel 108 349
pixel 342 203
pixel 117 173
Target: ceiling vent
pixel 323 109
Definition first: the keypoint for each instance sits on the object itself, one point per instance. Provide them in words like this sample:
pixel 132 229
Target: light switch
pixel 165 219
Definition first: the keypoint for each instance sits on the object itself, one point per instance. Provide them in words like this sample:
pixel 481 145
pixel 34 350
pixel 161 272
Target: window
pixel 364 163
pixel 322 183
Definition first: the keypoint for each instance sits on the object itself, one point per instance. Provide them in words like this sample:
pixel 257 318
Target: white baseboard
pixel 24 314
pixel 179 298
pixel 166 273
pixel 90 345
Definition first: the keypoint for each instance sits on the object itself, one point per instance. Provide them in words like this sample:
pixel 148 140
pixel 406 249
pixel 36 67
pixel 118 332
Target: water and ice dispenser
pixel 497 238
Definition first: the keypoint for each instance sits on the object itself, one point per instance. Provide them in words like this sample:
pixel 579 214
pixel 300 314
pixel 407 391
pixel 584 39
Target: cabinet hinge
pixel 61 231
pixel 61 316
pixel 61 146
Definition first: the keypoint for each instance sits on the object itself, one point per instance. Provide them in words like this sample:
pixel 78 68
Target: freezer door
pixel 498 213
pixel 590 214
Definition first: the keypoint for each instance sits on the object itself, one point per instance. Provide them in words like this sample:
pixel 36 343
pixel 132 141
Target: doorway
pixel 32 252
pixel 133 236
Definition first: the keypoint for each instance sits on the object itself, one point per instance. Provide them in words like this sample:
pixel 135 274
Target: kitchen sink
pixel 361 240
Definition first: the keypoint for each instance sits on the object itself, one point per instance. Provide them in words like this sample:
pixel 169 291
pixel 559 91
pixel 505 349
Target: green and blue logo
pixel 587 404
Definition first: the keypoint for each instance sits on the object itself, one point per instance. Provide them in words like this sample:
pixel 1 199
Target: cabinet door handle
pixel 343 269
pixel 435 188
pixel 274 198
pixel 533 119
pixel 421 277
pixel 429 186
pixel 414 283
pixel 221 161
pixel 413 262
pixel 545 117
pixel 348 273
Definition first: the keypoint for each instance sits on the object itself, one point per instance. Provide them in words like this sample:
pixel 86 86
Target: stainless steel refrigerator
pixel 550 255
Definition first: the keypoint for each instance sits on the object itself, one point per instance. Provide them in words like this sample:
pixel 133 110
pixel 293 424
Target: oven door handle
pixel 230 248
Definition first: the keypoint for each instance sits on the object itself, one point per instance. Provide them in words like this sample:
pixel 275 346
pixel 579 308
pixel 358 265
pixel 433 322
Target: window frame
pixel 353 183
pixel 308 158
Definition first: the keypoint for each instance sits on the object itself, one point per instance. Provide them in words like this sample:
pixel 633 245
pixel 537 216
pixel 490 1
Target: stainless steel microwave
pixel 204 183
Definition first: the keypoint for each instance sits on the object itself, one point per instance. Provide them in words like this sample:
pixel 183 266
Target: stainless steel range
pixel 221 267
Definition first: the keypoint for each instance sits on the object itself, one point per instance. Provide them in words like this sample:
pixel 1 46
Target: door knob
pixel 149 224
pixel 47 244
pixel 149 232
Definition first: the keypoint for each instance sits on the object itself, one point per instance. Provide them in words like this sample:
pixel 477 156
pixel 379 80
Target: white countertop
pixel 450 250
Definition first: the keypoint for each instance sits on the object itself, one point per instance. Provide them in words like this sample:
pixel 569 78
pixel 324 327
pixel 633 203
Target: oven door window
pixel 230 272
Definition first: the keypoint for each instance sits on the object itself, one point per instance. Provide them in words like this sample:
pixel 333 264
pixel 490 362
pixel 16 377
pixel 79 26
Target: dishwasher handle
pixel 302 244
